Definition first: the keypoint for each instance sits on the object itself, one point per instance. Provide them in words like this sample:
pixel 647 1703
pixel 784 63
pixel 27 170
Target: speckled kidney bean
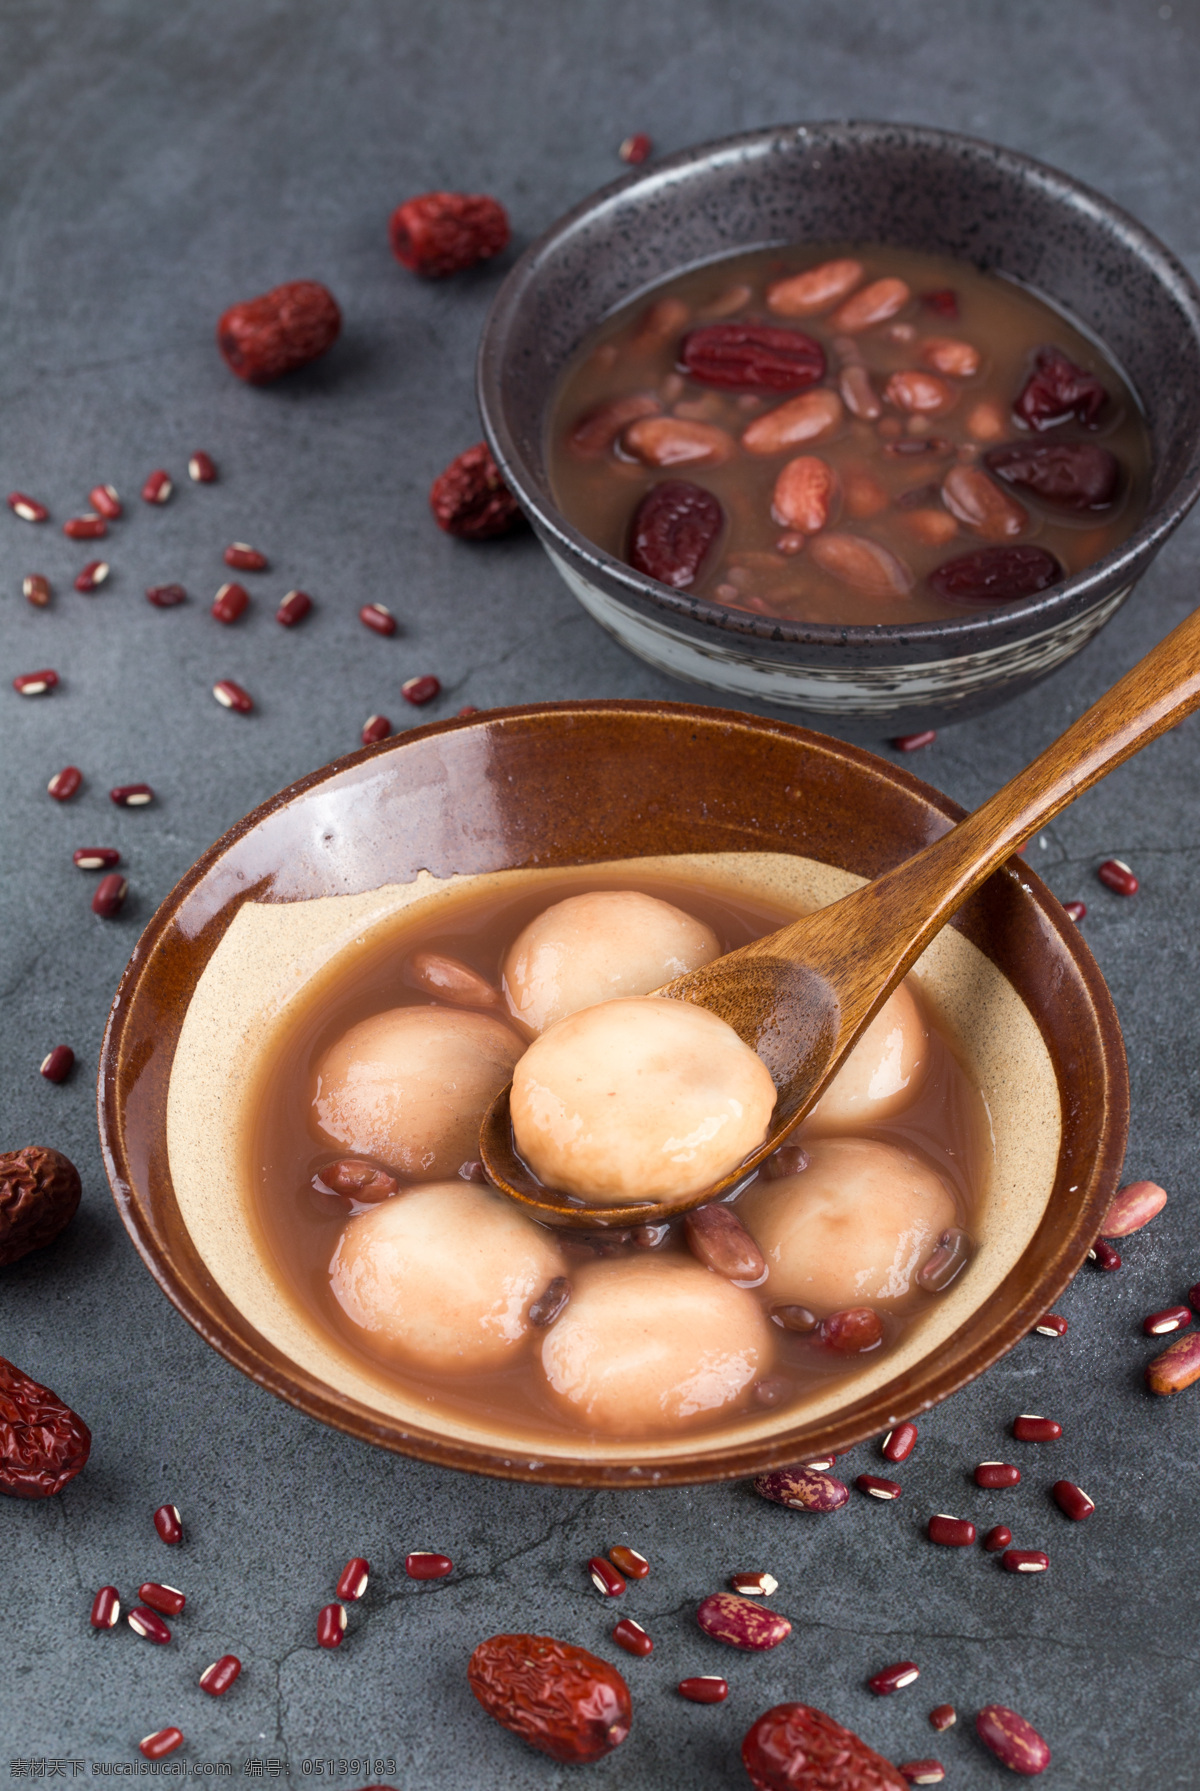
pixel 802 1489
pixel 741 1623
pixel 1132 1207
pixel 1015 1743
pixel 1177 1367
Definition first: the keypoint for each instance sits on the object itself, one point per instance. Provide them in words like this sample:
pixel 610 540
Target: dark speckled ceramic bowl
pixel 901 184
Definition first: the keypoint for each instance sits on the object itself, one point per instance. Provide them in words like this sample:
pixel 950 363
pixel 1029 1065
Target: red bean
pixel 91 576
pixel 295 606
pixel 754 1585
pixel 628 1561
pixel 1075 911
pixel 945 1262
pixel 166 596
pixel 632 1637
pixel 993 1474
pixel 1024 1560
pixel 607 1581
pixel 1014 1742
pixel 158 487
pixel 104 499
pixel 1104 1256
pixel 1194 1296
pixel 944 1716
pixel 96 858
pixel 853 1331
pixel 1116 875
pixel 331 1626
pixel 202 468
pixel 64 783
pixel 951 1532
pixel 420 690
pixel 899 1444
pixel 57 1065
pixel 635 149
pixel 894 1678
pixel 36 589
pixel 169 1600
pixel 1171 1318
pixel 232 696
pixel 705 1688
pixel 1072 1501
pixel 376 727
pixel 169 1524
pixel 878 1488
pixel 912 742
pixel 131 795
pixel 378 618
pixel 110 895
pixel 85 528
pixel 217 1679
pixel 32 684
pixel 147 1623
pixel 27 508
pixel 244 558
pixel 794 1318
pixel 162 1742
pixel 998 1537
pixel 1051 1324
pixel 353 1580
pixel 1029 1428
pixel 230 602
pixel 106 1608
pixel 424 1565
pixel 922 1772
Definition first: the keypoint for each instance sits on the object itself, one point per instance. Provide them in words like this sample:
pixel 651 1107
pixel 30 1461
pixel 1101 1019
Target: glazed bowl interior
pixel 276 910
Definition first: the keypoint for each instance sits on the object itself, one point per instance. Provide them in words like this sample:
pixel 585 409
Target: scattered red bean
pixel 356 1180
pixel 1024 1560
pixel 802 1489
pixel 469 498
pixel 244 558
pixel 146 1623
pixel 162 1742
pixel 331 1626
pixel 232 696
pixel 110 895
pixel 851 1332
pixel 131 795
pixel 424 1565
pixel 628 1561
pixel 91 576
pixel 1177 1367
pixel 754 1585
pixel 104 499
pixel 165 596
pixel 265 337
pixel 85 528
pixel 217 1679
pixel 878 1488
pixel 1029 1428
pixel 158 487
pixel 951 1532
pixel 899 1444
pixel 31 684
pixel 911 742
pixel 994 1474
pixel 607 1581
pixel 1133 1206
pixel 168 1600
pixel 353 1581
pixel 378 618
pixel 894 1678
pixel 997 1538
pixel 420 690
pixel 717 1238
pixel 203 469
pixel 64 783
pixel 57 1065
pixel 436 234
pixel 822 1463
pixel 106 1608
pixel 36 589
pixel 943 1716
pixel 1015 1743
pixel 1171 1318
pixel 96 858
pixel 295 606
pixel 1116 875
pixel 376 727
pixel 635 149
pixel 1075 911
pixel 704 1688
pixel 922 1772
pixel 632 1637
pixel 467 709
pixel 1104 1256
pixel 1072 1501
pixel 946 1260
pixel 230 602
pixel 741 1623
pixel 794 1318
pixel 169 1524
pixel 1051 1324
pixel 27 508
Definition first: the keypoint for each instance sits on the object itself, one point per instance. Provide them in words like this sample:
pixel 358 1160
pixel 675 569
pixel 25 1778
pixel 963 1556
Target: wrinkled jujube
pixel 996 574
pixel 279 331
pixel 674 528
pixel 470 499
pixel 793 1747
pixel 1078 475
pixel 43 1443
pixel 559 1698
pixel 39 1195
pixel 1058 389
pixel 752 357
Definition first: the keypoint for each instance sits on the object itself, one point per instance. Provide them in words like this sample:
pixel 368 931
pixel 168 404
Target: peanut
pixel 858 394
pixel 863 564
pixel 673 441
pixel 804 494
pixel 969 494
pixel 803 419
pixel 933 526
pixel 803 295
pixel 947 354
pixel 924 393
pixel 986 422
pixel 873 304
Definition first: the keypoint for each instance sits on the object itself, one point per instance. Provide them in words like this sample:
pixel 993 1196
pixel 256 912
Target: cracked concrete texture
pixel 158 164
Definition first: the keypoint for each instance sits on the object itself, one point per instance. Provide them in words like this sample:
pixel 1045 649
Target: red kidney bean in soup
pixel 959 443
pixel 363 1156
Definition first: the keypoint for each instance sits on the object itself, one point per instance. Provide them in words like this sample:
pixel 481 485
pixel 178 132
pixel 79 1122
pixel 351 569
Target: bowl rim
pixel 972 631
pixel 713 1460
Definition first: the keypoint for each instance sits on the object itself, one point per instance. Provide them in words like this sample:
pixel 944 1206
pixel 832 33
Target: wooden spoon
pixel 801 997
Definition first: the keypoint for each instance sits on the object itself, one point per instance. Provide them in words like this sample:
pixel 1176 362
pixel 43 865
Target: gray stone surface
pixel 157 163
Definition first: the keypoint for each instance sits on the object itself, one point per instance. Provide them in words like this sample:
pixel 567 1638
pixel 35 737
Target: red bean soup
pixel 376 1215
pixel 846 433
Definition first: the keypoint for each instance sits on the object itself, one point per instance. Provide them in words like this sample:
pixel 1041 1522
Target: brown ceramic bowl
pixel 759 804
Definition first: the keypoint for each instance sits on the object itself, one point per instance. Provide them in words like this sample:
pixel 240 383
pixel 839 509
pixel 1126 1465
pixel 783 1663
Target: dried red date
pixel 279 331
pixel 43 1443
pixel 752 357
pixel 442 233
pixel 1058 389
pixel 796 1748
pixel 1077 475
pixel 995 575
pixel 674 528
pixel 558 1698
pixel 471 500
pixel 39 1193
